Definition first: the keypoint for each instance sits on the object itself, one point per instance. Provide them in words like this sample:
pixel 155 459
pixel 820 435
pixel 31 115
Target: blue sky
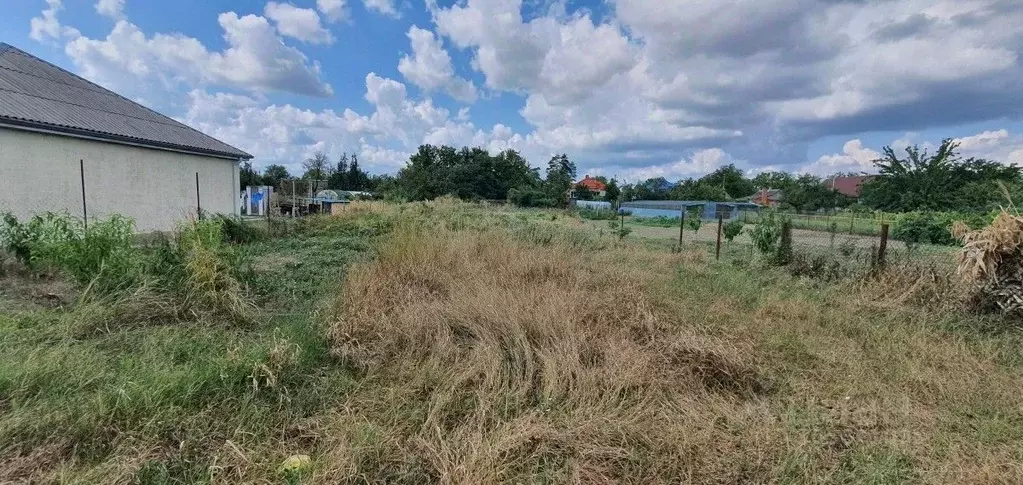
pixel 633 88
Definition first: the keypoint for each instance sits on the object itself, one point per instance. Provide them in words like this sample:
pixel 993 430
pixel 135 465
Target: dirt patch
pixel 24 291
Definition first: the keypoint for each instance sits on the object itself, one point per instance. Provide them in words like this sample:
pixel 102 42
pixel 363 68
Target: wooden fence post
pixel 882 247
pixel 717 254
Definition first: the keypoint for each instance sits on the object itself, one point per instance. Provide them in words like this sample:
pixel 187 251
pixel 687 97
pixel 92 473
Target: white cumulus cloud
pixel 110 8
pixel 429 67
pixel 298 23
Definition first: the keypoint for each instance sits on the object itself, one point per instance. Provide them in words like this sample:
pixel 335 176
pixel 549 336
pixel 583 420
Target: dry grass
pixel 523 363
pixel 991 261
pixel 499 346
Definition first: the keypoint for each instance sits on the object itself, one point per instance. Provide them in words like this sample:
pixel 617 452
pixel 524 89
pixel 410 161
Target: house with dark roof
pixel 67 144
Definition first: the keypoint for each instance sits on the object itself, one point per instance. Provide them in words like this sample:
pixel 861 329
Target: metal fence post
pixel 198 202
pixel 85 208
pixel 681 224
pixel 882 247
pixel 717 254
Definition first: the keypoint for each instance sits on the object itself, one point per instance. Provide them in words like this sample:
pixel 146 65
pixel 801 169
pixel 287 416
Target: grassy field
pixel 451 343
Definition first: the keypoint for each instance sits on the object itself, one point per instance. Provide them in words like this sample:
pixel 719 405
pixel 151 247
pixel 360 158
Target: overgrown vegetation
pixel 460 343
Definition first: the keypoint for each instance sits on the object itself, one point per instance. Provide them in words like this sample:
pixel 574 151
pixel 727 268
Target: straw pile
pixel 992 262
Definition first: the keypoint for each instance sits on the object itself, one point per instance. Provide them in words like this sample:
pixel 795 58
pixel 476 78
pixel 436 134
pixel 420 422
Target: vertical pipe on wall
pixel 85 209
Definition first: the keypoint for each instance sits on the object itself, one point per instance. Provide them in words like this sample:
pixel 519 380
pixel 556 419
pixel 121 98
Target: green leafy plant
pixel 732 229
pixel 694 221
pixel 766 232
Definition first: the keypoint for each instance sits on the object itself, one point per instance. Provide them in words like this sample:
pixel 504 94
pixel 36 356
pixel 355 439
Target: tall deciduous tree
pixel 274 174
pixel 316 169
pixel 939 181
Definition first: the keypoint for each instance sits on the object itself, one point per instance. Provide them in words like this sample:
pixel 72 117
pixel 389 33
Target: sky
pixel 626 88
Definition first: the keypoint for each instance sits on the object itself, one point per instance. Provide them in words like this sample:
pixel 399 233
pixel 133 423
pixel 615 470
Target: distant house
pixel 851 186
pixel 767 197
pixel 598 188
pixel 67 144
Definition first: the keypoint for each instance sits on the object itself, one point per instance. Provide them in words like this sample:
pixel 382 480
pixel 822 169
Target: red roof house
pixel 595 186
pixel 850 186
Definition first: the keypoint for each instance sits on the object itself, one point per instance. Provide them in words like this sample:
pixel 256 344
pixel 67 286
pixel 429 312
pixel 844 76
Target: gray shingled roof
pixel 37 94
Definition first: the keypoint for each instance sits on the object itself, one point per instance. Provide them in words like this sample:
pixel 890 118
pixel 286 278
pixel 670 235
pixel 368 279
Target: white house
pixel 67 144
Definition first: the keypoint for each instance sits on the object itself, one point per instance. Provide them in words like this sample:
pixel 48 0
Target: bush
pixel 732 229
pixel 694 221
pixel 100 256
pixel 598 214
pixel 529 197
pixel 766 232
pixel 237 231
pixel 934 227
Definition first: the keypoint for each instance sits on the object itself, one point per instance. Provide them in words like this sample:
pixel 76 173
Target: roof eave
pixel 37 126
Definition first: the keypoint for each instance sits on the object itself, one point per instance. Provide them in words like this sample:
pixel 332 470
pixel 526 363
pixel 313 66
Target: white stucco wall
pixel 40 172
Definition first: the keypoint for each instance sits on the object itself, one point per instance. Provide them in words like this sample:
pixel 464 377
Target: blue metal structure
pixel 673 208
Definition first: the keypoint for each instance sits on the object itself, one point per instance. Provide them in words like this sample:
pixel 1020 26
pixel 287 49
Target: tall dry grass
pixel 501 361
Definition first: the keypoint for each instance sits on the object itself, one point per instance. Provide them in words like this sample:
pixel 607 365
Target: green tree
pixel 935 182
pixel 339 178
pixel 247 176
pixel 582 192
pixel 356 179
pixel 731 181
pixel 561 173
pixel 612 192
pixel 274 174
pixel 316 169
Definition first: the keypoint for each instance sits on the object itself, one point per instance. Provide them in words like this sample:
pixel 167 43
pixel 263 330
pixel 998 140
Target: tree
pixel 561 173
pixel 274 174
pixel 611 191
pixel 247 176
pixel 316 168
pixel 339 179
pixel 468 173
pixel 731 180
pixel 582 192
pixel 939 182
pixel 356 178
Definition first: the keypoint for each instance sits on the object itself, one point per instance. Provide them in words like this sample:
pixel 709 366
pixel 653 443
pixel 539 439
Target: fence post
pixel 717 253
pixel 852 222
pixel 198 202
pixel 85 209
pixel 681 224
pixel 882 247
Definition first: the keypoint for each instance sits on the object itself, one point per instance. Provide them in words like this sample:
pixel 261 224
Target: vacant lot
pixel 450 343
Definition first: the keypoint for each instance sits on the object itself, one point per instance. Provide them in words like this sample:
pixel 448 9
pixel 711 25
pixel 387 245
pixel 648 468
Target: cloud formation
pixel 429 67
pixel 298 23
pixel 633 86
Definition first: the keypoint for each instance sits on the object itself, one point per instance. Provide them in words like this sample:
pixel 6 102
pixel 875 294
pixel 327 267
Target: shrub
pixel 236 230
pixel 694 221
pixel 598 214
pixel 783 254
pixel 529 197
pixel 732 229
pixel 767 232
pixel 100 256
pixel 934 227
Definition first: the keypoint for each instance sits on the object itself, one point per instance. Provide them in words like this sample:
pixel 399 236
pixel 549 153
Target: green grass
pixel 856 390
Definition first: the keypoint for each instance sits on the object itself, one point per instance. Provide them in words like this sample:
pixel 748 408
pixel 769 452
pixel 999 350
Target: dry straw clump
pixel 496 360
pixel 991 261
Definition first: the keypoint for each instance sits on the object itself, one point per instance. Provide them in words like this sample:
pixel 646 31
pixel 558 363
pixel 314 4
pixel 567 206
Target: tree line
pixel 345 174
pixel 918 181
